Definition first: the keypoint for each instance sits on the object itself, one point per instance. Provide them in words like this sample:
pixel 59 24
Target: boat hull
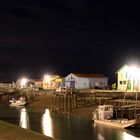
pixel 122 123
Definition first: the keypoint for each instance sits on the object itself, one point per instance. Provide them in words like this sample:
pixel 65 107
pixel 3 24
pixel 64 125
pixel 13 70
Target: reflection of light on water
pixel 127 136
pixel 100 137
pixel 24 119
pixel 47 124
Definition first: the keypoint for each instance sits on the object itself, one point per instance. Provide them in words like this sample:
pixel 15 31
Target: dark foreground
pixel 12 132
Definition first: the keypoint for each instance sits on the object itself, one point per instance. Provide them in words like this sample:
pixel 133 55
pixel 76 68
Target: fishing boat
pixel 104 115
pixel 20 102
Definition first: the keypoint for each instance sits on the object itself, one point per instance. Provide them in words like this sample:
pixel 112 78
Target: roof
pixel 122 67
pixel 90 75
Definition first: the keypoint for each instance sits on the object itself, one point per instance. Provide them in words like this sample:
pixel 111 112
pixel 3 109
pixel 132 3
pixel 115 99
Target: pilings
pixel 67 102
pixel 63 103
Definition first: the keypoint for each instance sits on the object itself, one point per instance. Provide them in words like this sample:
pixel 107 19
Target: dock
pixel 70 100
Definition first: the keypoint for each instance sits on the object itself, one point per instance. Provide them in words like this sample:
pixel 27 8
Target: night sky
pixel 84 36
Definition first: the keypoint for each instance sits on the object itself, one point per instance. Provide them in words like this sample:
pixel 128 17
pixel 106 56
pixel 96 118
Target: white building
pixel 84 81
pixel 128 78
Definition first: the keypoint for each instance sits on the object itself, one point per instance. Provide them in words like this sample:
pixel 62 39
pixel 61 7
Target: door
pixel 72 84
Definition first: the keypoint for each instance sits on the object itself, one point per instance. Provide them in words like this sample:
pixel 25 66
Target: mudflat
pixel 44 102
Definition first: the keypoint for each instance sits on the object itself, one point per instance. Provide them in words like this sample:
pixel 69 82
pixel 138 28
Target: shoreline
pixel 9 131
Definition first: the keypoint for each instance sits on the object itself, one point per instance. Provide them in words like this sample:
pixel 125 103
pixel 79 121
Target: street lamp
pixel 23 82
pixel 47 80
pixel 134 75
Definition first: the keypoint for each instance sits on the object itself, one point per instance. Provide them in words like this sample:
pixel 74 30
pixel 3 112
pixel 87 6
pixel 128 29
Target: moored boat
pixel 20 102
pixel 104 115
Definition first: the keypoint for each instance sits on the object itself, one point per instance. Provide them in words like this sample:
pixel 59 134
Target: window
pixel 102 84
pixel 72 77
pixel 124 82
pixel 134 82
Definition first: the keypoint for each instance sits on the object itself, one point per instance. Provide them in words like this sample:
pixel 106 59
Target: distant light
pixel 47 79
pixel 134 72
pixel 23 82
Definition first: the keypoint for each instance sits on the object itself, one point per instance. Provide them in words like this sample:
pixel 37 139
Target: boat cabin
pixel 104 112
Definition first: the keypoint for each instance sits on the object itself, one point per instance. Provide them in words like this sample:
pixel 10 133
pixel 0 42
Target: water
pixel 63 127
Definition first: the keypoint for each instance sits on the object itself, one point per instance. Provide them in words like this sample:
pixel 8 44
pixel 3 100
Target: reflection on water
pixel 24 119
pixel 127 136
pixel 100 137
pixel 110 133
pixel 64 127
pixel 47 126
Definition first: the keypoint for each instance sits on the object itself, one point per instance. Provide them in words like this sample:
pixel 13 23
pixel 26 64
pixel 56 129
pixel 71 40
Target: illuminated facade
pixel 128 78
pixel 52 81
pixel 85 81
pixel 29 83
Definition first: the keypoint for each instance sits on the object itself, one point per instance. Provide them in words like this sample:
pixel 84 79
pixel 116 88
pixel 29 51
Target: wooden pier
pixel 68 101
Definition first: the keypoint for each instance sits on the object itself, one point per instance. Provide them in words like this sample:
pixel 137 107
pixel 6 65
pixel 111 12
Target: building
pixel 29 83
pixel 85 81
pixel 38 83
pixel 52 81
pixel 128 78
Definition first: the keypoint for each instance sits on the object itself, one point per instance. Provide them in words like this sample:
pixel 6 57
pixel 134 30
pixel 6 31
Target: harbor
pixel 72 104
pixel 69 70
pixel 72 100
pixel 61 126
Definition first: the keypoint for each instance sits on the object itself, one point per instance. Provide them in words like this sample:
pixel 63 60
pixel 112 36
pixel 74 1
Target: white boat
pixel 20 102
pixel 104 115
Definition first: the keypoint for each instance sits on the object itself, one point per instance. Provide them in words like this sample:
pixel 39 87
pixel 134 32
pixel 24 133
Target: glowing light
pixel 24 119
pixel 47 79
pixel 127 136
pixel 47 126
pixel 133 72
pixel 23 82
pixel 100 137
